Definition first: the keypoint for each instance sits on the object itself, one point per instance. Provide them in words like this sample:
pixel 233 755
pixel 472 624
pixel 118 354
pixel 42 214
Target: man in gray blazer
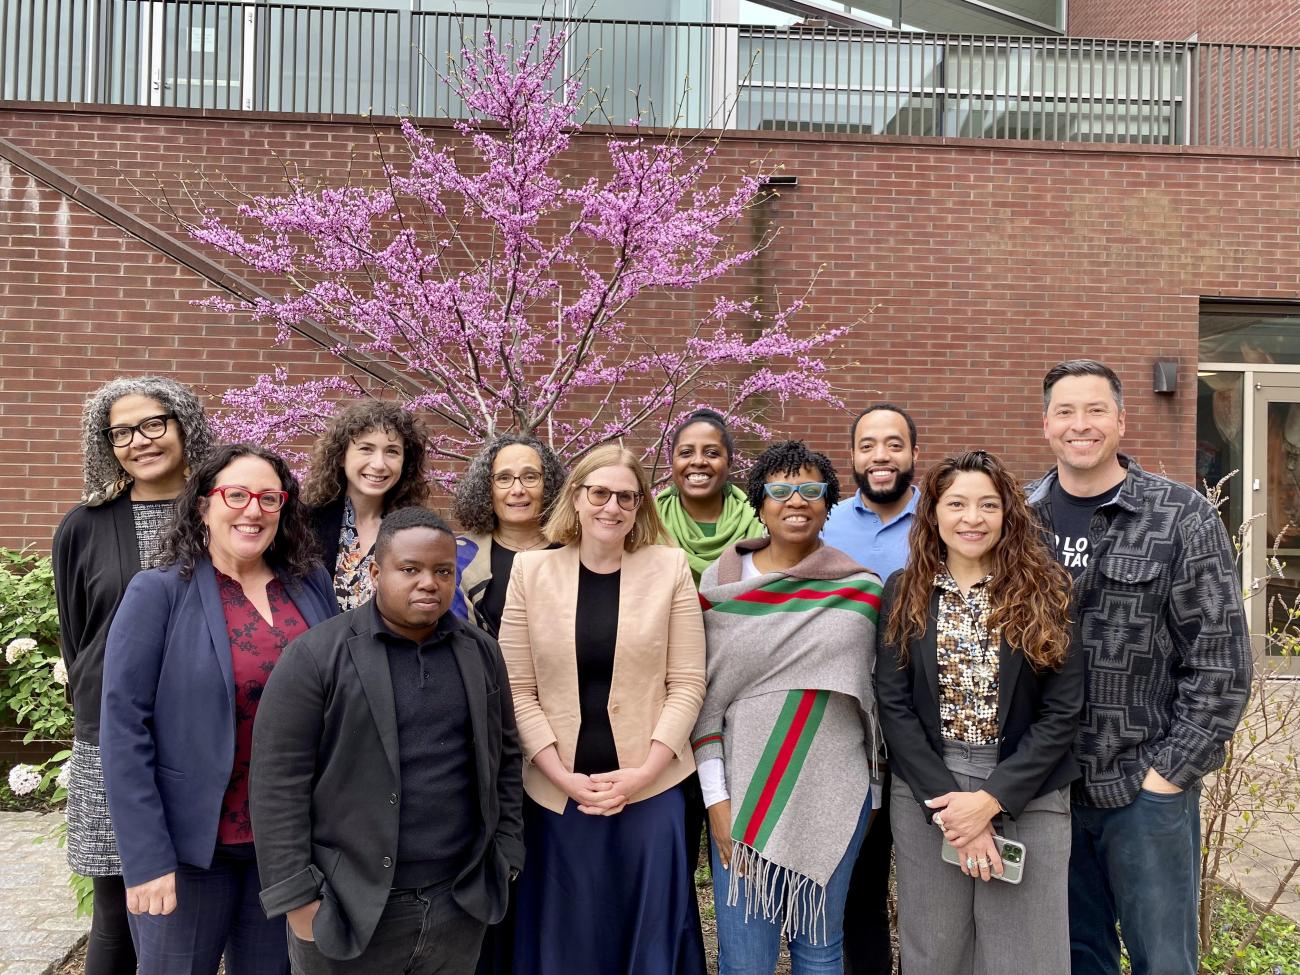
pixel 386 786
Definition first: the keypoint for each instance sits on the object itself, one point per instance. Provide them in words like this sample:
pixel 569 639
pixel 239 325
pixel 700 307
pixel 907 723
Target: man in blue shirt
pixel 872 526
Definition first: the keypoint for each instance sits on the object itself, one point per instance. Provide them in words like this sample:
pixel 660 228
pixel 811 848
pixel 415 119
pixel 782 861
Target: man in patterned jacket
pixel 1159 615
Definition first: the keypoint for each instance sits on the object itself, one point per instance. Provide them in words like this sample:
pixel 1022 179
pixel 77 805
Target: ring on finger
pixel 982 863
pixel 970 863
pixel 939 822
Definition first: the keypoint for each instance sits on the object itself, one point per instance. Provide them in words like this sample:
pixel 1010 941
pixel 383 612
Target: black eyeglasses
pixel 599 495
pixel 782 492
pixel 152 427
pixel 505 480
pixel 239 498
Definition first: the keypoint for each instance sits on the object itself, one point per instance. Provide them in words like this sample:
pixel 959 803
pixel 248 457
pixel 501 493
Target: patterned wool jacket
pixel 1160 620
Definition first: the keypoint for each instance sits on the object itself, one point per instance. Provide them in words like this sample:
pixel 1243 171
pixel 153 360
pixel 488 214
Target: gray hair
pixel 472 505
pixel 103 475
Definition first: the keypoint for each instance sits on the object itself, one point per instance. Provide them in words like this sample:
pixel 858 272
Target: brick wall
pixel 974 266
pixel 1226 21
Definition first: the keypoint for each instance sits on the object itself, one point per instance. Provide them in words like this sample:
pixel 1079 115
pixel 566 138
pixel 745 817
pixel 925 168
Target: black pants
pixel 868 949
pixel 109 950
pixel 421 932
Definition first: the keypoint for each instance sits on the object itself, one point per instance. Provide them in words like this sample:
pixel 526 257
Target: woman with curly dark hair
pixel 370 460
pixel 140 436
pixel 188 653
pixel 979 698
pixel 500 503
pixel 786 741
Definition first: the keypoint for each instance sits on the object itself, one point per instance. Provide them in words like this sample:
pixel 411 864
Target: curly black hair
pixel 325 480
pixel 714 419
pixel 788 458
pixel 293 552
pixel 472 505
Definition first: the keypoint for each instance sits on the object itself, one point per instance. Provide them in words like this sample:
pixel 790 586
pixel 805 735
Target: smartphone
pixel 1012 853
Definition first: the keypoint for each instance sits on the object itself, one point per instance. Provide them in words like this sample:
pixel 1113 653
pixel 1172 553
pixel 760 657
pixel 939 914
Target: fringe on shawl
pixel 773 891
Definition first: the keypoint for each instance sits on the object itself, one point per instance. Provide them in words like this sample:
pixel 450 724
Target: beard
pixel 902 484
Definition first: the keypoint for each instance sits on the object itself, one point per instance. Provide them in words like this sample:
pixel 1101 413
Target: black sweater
pixel 95 555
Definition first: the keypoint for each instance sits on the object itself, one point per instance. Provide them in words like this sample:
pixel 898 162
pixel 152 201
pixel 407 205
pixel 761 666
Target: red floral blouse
pixel 255 646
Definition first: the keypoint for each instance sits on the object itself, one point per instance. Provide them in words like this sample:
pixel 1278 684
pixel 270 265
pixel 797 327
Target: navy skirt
pixel 608 895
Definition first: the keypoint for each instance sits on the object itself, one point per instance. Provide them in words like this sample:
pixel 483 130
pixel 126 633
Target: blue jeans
pixel 1139 866
pixel 751 947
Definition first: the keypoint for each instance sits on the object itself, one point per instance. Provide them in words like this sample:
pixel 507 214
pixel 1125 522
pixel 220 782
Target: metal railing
pixel 301 57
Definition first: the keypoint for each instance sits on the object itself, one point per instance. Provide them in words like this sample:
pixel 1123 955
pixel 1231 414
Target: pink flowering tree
pixel 498 286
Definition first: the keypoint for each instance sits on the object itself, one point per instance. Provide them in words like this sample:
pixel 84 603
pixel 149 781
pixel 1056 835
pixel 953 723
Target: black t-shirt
pixel 596 633
pixel 1071 517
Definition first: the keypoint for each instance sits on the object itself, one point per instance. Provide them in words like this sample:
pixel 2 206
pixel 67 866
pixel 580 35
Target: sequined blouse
pixel 968 662
pixel 352 583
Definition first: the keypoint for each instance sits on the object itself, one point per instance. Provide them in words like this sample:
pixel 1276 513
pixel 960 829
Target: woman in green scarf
pixel 704 513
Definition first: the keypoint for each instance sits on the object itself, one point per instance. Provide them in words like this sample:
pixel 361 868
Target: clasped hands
pixel 604 793
pixel 966 821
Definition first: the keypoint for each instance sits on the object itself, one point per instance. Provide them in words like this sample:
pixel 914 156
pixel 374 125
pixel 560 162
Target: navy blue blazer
pixel 167 724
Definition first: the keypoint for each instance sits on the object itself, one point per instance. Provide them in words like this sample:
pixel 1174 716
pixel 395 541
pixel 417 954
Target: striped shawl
pixel 790 708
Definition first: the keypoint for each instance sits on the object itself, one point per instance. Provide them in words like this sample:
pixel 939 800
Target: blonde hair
pixel 563 526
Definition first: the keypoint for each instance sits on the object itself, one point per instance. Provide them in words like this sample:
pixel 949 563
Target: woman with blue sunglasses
pixel 786 739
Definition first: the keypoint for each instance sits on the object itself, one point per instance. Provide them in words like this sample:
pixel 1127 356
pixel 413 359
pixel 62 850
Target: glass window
pixel 1250 334
pixel 1219 440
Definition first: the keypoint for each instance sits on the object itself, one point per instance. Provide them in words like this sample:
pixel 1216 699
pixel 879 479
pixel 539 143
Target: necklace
pixel 541 540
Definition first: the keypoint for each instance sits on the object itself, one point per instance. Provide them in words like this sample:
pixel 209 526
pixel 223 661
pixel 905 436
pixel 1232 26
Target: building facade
pixel 977 206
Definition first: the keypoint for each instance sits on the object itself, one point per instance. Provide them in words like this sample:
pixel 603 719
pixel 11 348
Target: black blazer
pixel 1038 717
pixel 325 781
pixel 326 523
pixel 95 555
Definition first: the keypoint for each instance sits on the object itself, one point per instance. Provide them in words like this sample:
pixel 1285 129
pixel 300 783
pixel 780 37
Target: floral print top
pixel 255 646
pixel 968 662
pixel 352 585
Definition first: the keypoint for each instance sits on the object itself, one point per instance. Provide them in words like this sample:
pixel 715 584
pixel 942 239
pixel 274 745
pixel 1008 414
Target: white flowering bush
pixel 24 780
pixel 33 678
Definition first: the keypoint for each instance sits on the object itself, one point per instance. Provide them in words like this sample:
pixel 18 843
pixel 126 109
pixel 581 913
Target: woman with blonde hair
pixel 604 643
pixel 979 697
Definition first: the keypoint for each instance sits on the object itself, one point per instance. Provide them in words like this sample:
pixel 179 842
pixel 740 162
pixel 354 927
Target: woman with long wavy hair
pixel 370 460
pixel 188 654
pixel 979 697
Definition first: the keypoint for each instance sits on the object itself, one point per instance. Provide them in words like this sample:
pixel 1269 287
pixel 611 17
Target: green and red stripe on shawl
pixel 778 770
pixel 800 595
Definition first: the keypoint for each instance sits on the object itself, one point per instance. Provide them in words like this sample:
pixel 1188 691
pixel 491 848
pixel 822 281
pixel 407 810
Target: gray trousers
pixel 951 924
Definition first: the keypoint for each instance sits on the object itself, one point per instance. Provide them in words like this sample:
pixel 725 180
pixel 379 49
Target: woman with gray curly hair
pixel 500 503
pixel 139 437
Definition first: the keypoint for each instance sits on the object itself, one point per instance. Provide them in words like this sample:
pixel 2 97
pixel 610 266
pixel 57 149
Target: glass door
pixel 194 54
pixel 1273 496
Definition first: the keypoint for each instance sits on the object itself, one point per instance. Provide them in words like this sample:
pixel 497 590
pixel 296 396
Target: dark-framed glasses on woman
pixel 599 496
pixel 782 492
pixel 151 428
pixel 505 480
pixel 238 498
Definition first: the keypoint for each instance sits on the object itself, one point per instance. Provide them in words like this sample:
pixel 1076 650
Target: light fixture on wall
pixel 1165 376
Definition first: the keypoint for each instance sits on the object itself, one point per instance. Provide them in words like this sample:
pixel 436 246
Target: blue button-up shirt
pixel 856 530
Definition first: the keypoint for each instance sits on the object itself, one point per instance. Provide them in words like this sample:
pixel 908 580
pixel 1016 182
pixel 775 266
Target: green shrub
pixel 34 689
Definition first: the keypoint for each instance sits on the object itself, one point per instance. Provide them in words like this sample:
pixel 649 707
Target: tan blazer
pixel 658 682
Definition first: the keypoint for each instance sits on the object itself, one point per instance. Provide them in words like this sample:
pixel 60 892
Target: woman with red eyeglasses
pixel 188 653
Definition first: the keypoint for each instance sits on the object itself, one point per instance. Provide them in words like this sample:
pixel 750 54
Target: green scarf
pixel 736 523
